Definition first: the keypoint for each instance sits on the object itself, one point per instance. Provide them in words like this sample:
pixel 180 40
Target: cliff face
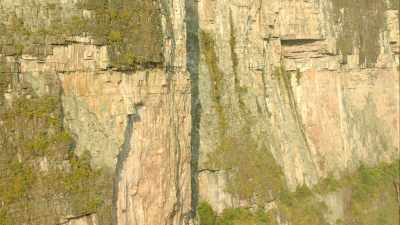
pixel 129 113
pixel 184 102
pixel 315 83
pixel 136 124
pixel 294 73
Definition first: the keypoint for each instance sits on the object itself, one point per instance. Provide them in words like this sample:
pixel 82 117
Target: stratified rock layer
pixel 299 79
pixel 319 109
pixel 135 123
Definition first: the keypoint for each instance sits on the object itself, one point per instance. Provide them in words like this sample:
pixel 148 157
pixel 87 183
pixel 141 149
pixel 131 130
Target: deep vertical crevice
pixel 193 58
pixel 121 158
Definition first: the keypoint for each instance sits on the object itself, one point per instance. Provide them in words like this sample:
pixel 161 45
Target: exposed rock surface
pixel 135 124
pixel 278 74
pixel 329 114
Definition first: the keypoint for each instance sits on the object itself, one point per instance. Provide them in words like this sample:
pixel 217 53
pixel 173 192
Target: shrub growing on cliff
pixel 41 178
pixel 206 214
pixel 236 216
pixel 129 26
pixel 253 174
pixel 302 207
pixel 115 37
pixel 231 216
pixel 125 25
pixel 374 195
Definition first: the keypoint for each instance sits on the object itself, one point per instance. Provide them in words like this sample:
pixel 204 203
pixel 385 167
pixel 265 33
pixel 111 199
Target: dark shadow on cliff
pixel 193 58
pixel 122 157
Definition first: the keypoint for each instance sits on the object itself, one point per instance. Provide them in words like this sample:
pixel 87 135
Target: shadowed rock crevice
pixel 294 42
pixel 193 60
pixel 122 156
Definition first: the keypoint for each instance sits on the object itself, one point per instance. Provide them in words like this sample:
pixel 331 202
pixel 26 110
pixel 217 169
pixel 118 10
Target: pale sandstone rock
pixel 154 176
pixel 136 124
pixel 140 122
pixel 336 203
pixel 348 115
pixel 153 181
pixel 214 194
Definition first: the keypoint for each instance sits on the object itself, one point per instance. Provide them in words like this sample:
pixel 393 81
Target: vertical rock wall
pixel 311 86
pixel 135 123
pixel 319 107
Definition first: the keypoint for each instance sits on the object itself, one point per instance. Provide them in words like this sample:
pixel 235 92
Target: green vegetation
pixel 115 37
pixel 239 90
pixel 374 194
pixel 253 172
pixel 255 177
pixel 41 178
pixel 130 28
pixel 231 216
pixel 373 198
pixel 216 78
pixel 206 214
pixel 302 207
pixel 232 46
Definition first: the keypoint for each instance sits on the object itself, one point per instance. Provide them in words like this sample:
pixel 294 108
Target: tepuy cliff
pixel 131 112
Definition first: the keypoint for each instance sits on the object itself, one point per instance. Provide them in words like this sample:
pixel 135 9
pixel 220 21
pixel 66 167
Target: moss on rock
pixel 253 173
pixel 374 199
pixel 231 216
pixel 42 180
pixel 130 28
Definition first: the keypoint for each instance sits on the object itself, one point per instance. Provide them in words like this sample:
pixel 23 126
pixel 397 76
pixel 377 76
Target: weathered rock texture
pixel 43 181
pixel 314 83
pixel 319 107
pixel 135 123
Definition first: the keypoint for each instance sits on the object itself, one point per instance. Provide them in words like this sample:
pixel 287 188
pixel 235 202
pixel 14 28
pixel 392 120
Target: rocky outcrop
pixel 134 123
pixel 318 108
pixel 212 100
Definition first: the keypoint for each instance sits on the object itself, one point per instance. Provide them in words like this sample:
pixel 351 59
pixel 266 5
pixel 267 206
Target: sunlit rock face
pixel 315 83
pixel 337 105
pixel 134 122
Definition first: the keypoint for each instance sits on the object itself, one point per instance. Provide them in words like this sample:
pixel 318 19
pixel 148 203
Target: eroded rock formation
pixel 228 102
